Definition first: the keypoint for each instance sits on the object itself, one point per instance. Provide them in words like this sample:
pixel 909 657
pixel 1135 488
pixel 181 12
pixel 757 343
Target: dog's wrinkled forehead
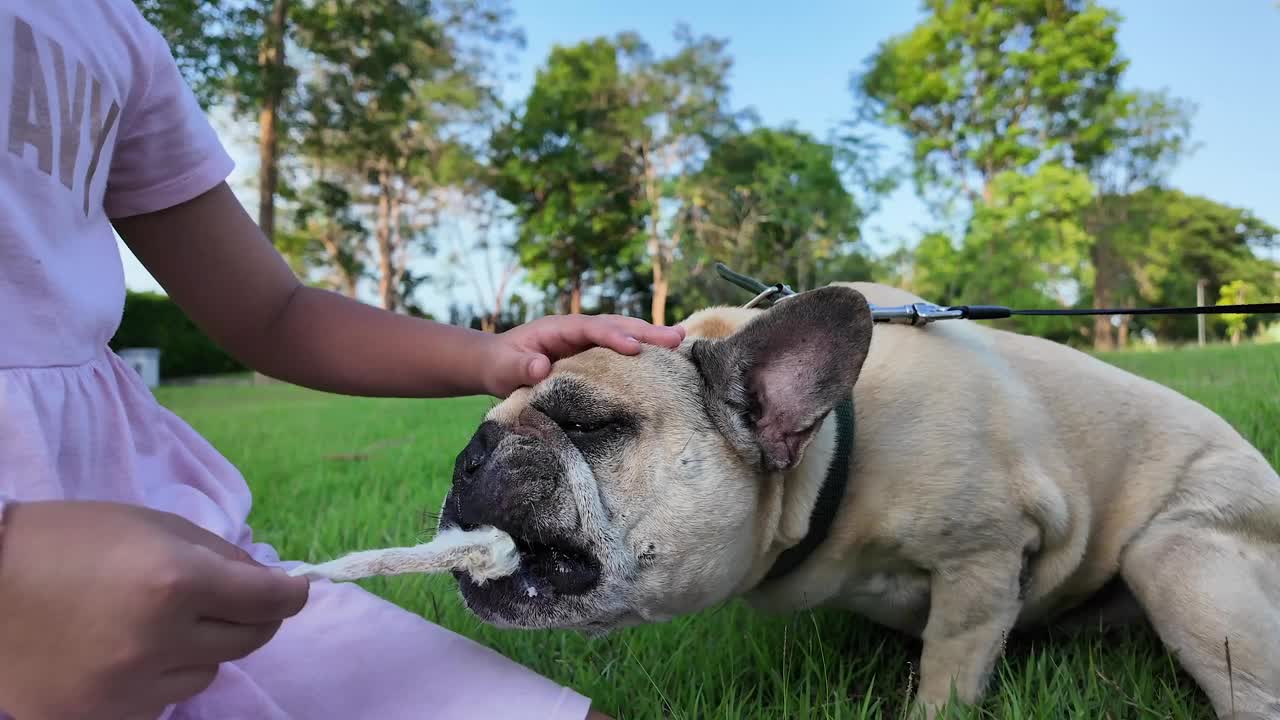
pixel 597 382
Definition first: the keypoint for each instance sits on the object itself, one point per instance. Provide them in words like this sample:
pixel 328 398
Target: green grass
pixel 333 474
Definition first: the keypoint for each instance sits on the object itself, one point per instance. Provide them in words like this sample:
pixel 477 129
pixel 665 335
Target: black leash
pixel 925 313
pixel 1194 310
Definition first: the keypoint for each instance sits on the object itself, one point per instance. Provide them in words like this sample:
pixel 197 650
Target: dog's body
pixel 996 480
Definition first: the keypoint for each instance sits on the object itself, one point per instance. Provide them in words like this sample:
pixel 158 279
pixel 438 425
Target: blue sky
pixel 793 61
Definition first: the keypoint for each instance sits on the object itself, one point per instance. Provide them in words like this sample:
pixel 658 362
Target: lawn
pixel 333 474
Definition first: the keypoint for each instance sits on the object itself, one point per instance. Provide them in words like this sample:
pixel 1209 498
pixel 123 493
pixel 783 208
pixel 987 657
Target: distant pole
pixel 1200 286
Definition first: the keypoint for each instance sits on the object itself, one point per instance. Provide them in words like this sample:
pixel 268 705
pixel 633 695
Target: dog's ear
pixel 768 385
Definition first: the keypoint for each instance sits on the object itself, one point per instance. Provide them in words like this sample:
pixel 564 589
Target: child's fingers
pixel 218 641
pixel 648 333
pixel 238 592
pixel 626 335
pixel 513 368
pixel 565 335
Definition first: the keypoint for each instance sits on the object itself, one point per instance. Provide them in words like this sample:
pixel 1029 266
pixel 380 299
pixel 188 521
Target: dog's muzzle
pixel 516 483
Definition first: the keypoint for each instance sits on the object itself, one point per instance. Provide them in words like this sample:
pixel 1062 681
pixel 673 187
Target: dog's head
pixel 636 486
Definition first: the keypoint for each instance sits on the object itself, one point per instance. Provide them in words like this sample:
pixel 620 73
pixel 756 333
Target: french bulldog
pixel 983 481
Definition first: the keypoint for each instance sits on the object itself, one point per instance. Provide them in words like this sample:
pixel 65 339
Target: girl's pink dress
pixel 96 123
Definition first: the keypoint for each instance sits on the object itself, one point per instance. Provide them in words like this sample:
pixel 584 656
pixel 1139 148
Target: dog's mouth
pixel 549 567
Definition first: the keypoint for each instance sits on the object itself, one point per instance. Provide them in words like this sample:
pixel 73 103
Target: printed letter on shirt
pixel 98 132
pixel 70 112
pixel 29 90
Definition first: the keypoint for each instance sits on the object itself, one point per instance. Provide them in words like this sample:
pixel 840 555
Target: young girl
pixel 130 585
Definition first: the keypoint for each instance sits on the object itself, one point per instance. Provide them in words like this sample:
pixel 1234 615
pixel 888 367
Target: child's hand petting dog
pixel 115 611
pixel 522 356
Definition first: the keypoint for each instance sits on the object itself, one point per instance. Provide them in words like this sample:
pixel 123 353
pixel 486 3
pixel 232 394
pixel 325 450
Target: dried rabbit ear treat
pixel 484 553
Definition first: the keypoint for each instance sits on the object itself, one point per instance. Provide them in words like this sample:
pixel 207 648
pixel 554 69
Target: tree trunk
pixel 989 253
pixel 1102 338
pixel 386 273
pixel 501 293
pixel 348 284
pixel 271 60
pixel 658 307
pixel 399 263
pixel 660 284
pixel 657 258
pixel 575 296
pixel 346 279
pixel 1122 335
pixel 1237 330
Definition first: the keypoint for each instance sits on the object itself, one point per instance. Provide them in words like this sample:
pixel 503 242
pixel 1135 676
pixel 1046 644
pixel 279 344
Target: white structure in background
pixel 145 362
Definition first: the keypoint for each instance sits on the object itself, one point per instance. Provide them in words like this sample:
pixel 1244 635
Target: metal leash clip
pixel 771 294
pixel 764 293
pixel 921 313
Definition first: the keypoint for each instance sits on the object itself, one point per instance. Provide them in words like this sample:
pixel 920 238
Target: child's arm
pixel 214 261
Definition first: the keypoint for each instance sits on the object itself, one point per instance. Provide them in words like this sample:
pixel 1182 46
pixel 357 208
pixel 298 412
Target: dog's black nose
pixel 508 480
pixel 477 452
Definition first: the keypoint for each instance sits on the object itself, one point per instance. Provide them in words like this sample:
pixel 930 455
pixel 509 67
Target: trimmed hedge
pixel 153 320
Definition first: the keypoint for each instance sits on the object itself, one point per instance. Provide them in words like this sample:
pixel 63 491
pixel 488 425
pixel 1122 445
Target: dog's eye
pixel 586 428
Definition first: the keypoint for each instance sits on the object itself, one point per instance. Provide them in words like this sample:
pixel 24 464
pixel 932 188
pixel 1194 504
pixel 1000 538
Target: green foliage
pixel 598 162
pixel 1150 133
pixel 1238 292
pixel 1008 106
pixel 1027 246
pixel 1182 238
pixel 153 320
pixel 627 172
pixel 684 103
pixel 328 233
pixel 983 87
pixel 216 44
pixel 398 82
pixel 1019 129
pixel 563 163
pixel 770 203
pixel 393 95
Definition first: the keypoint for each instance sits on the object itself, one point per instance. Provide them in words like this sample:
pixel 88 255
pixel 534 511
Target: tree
pixel 1035 221
pixel 478 256
pixel 770 203
pixel 562 162
pixel 328 233
pixel 396 91
pixel 1022 97
pixel 983 87
pixel 649 120
pixel 426 67
pixel 683 102
pixel 1149 134
pixel 1180 239
pixel 1006 96
pixel 1238 292
pixel 276 79
pixel 235 51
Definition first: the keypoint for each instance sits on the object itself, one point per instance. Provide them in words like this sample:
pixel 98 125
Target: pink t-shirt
pixel 96 123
